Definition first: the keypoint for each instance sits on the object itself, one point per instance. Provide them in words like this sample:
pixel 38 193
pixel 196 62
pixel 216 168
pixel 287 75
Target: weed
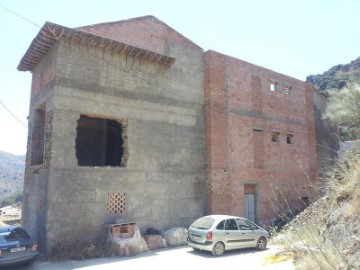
pixel 80 250
pixel 326 234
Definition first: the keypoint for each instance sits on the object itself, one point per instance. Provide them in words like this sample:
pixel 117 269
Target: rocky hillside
pixel 336 77
pixel 326 235
pixel 11 174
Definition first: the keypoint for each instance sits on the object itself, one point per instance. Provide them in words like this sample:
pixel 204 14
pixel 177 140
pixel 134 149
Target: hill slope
pixel 336 77
pixel 329 228
pixel 11 174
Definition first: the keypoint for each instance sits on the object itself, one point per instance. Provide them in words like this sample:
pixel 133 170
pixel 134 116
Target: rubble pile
pixel 155 241
pixel 315 215
pixel 175 236
pixel 127 240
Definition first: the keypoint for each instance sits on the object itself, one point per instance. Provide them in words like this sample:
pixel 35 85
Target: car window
pixel 243 225
pixel 203 223
pixel 230 224
pixel 16 235
pixel 253 225
pixel 221 225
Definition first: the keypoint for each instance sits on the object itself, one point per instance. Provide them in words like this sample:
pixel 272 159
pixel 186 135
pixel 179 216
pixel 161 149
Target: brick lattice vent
pixel 116 203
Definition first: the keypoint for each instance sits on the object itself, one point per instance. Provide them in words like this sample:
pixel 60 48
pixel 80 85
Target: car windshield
pixel 203 223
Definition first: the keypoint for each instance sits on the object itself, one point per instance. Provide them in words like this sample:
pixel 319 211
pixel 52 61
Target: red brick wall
pixel 145 32
pixel 241 112
pixel 42 80
pixel 218 187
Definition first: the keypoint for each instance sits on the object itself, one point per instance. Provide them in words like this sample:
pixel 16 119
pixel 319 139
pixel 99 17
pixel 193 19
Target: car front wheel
pixel 261 243
pixel 218 249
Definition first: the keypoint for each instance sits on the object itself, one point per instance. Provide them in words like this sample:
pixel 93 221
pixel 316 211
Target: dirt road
pixel 172 258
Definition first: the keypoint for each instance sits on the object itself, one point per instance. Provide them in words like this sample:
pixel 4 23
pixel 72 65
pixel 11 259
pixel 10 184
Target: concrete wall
pixel 163 180
pixel 36 180
pixel 327 136
pixel 241 114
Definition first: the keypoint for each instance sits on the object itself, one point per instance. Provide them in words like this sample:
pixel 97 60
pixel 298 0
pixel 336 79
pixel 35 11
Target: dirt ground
pixel 173 258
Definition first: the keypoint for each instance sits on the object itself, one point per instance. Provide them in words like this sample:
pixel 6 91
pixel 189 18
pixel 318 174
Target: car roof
pixel 7 228
pixel 221 217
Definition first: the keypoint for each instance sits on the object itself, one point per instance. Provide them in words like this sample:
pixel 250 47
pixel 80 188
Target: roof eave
pixel 50 33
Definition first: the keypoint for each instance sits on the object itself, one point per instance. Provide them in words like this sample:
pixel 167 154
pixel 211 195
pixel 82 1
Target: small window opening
pixel 116 203
pixel 100 142
pixel 273 86
pixel 289 138
pixel 275 136
pixel 257 129
pixel 37 137
pixel 287 89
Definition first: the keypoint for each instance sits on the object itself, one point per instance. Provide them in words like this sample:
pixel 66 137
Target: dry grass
pixel 327 235
pixel 80 250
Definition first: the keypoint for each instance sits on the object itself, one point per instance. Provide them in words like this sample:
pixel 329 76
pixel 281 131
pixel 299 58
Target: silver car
pixel 217 233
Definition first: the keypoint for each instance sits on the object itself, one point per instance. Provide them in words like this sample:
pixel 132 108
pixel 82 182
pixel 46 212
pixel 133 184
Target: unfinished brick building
pixel 132 120
pixel 260 140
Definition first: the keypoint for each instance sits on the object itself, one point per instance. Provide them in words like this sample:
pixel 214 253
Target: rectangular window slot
pixel 116 203
pixel 257 129
pixel 37 137
pixel 275 136
pixel 273 86
pixel 100 142
pixel 289 138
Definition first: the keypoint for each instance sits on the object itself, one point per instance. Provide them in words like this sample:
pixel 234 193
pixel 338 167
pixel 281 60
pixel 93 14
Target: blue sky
pixel 297 38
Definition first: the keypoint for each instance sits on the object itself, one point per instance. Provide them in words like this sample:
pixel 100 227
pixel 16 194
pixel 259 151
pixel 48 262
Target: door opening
pixel 249 204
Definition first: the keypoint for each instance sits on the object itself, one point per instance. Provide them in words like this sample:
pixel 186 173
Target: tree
pixel 344 109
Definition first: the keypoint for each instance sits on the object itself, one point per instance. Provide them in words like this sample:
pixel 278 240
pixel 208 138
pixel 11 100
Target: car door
pixel 248 235
pixel 233 236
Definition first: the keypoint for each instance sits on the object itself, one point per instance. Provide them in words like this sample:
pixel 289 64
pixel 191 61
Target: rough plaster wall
pixel 164 179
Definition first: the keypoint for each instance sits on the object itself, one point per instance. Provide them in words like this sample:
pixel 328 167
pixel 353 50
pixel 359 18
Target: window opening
pixel 275 136
pixel 257 129
pixel 100 142
pixel 287 89
pixel 289 138
pixel 37 137
pixel 273 86
pixel 116 203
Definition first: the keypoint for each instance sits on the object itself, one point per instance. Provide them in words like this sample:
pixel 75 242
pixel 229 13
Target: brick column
pixel 216 135
pixel 311 143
